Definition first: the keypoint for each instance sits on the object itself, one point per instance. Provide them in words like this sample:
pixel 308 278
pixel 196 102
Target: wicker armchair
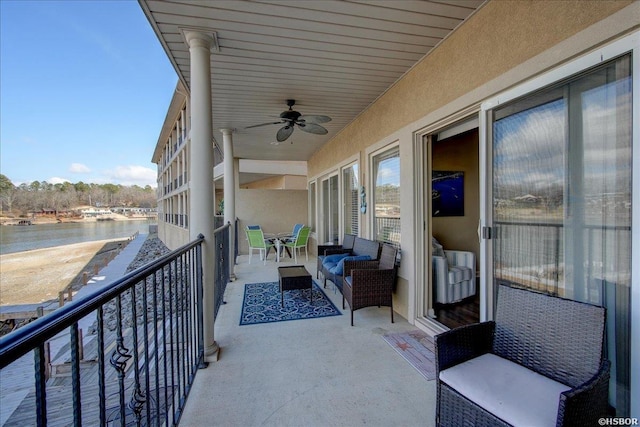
pixel 324 250
pixel 539 363
pixel 370 283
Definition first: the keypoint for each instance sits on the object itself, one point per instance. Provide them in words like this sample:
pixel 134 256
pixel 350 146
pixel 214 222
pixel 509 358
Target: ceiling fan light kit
pixel 291 118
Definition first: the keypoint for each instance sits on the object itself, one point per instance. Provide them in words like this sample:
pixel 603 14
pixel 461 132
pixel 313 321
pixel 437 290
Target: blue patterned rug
pixel 261 304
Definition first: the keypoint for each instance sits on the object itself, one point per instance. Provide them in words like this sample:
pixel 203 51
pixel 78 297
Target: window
pixel 350 199
pixel 562 171
pixel 386 197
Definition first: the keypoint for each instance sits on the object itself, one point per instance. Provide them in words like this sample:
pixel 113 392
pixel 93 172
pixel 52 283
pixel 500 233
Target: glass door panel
pixel 562 200
pixel 350 208
pixel 330 210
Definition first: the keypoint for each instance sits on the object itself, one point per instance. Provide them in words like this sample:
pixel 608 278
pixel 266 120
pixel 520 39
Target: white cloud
pixel 57 180
pixel 79 168
pixel 388 176
pixel 133 175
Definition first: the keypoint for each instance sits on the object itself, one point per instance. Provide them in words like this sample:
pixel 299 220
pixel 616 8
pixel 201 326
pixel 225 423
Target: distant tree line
pixel 40 195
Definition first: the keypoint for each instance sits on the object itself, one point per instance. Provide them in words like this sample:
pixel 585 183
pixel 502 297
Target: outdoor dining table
pixel 277 239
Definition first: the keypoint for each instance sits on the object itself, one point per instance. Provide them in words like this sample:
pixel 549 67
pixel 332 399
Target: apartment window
pixel 562 171
pixel 350 199
pixel 386 196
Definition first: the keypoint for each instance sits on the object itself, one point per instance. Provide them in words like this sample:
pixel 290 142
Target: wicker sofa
pixel 363 249
pixel 539 363
pixel 323 250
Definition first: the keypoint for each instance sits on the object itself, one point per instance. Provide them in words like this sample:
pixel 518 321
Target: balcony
pixel 315 372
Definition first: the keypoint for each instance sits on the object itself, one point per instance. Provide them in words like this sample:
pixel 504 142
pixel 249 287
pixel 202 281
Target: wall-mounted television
pixel 447 193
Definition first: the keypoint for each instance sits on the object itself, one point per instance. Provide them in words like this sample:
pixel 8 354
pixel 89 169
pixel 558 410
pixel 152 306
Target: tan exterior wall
pixel 500 36
pixel 172 236
pixel 251 205
pixel 283 182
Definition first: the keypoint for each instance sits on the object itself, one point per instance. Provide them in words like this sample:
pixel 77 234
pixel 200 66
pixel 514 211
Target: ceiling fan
pixel 306 123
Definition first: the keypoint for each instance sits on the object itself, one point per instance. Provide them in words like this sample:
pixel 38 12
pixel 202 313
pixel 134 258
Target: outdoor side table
pixel 294 277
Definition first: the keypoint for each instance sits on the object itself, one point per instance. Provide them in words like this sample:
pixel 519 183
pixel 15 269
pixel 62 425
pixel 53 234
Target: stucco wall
pixel 282 182
pixel 252 206
pixel 172 236
pixel 500 36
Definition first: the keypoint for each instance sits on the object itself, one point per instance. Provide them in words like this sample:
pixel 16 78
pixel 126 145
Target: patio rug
pixel 261 304
pixel 417 348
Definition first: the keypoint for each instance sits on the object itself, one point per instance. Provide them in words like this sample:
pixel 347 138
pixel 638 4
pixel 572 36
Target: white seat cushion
pixel 509 391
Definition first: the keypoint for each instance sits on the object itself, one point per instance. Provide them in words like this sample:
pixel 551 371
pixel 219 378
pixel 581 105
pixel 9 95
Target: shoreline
pixel 37 276
pixel 7 221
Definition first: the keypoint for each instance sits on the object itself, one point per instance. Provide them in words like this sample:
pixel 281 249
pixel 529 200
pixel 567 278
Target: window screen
pixel 386 197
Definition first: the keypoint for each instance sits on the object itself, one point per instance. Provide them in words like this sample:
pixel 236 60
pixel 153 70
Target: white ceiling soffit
pixel 333 57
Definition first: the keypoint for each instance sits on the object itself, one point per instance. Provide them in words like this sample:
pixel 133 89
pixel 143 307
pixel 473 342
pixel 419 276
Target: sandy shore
pixel 39 275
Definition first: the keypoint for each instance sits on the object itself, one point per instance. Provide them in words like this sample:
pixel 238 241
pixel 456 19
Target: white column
pixel 229 194
pixel 202 188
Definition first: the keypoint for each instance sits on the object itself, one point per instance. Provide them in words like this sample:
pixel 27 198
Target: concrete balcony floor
pixel 313 372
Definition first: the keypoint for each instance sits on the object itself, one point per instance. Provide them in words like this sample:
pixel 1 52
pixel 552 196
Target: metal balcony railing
pixel 147 348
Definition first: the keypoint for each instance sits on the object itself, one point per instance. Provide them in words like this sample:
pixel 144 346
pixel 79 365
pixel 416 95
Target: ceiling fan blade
pixel 264 124
pixel 315 118
pixel 284 133
pixel 312 128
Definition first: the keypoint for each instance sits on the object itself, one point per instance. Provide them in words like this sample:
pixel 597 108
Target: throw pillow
pixel 339 268
pixel 333 259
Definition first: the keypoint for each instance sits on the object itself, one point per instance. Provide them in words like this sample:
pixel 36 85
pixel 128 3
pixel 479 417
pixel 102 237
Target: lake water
pixel 25 238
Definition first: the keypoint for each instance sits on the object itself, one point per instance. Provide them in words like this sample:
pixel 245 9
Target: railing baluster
pixel 101 372
pixel 192 341
pixel 41 385
pixel 172 344
pixel 164 343
pixel 138 398
pixel 187 316
pixel 202 364
pixel 119 359
pixel 155 346
pixel 75 375
pixel 183 327
pixel 145 320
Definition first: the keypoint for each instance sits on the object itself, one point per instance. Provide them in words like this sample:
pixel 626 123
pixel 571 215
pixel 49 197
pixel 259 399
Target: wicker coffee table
pixel 294 277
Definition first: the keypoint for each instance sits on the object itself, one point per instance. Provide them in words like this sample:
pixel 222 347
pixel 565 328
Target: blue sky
pixel 84 89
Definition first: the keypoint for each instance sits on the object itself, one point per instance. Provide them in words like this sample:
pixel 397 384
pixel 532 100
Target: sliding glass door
pixel 561 208
pixel 350 210
pixel 330 216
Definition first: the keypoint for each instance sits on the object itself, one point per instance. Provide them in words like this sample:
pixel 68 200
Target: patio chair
pixel 454 274
pixel 370 283
pixel 299 242
pixel 257 241
pixel 294 233
pixel 539 363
